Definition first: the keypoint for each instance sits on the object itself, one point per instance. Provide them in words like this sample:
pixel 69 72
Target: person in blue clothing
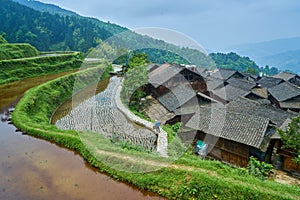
pixel 157 124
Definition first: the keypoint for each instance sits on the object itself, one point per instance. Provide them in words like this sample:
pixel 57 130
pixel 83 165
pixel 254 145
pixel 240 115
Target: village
pixel 228 115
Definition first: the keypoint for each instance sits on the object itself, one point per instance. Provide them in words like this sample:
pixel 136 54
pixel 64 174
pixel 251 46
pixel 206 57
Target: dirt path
pixel 284 178
pixel 190 168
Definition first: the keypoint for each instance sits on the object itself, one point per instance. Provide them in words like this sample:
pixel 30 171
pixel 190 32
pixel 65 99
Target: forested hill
pixel 53 9
pixel 233 61
pixel 241 63
pixel 48 31
pixel 55 29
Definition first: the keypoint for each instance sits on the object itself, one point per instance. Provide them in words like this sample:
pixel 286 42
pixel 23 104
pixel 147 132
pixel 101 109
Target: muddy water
pixel 31 168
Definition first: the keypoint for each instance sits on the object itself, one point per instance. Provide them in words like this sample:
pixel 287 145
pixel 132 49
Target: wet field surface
pixel 31 168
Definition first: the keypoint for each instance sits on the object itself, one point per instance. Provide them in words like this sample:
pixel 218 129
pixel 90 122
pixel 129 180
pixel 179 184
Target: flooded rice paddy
pixel 31 168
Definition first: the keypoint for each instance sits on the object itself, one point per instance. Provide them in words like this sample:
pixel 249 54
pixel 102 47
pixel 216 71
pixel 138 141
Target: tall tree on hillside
pixel 135 80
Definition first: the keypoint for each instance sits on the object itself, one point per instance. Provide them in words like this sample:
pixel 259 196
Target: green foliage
pixel 135 79
pixel 162 56
pixel 233 61
pixel 259 169
pixel 269 71
pixel 129 146
pixel 252 71
pixel 172 130
pixel 133 59
pixel 138 59
pixel 291 138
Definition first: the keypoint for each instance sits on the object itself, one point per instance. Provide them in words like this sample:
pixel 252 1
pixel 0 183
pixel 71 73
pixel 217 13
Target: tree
pixel 135 79
pixel 291 138
pixel 252 71
pixel 138 59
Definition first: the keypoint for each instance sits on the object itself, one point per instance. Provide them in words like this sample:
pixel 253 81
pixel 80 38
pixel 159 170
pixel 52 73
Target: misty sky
pixel 214 24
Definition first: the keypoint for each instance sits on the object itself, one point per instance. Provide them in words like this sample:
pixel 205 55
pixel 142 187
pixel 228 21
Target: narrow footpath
pixel 162 140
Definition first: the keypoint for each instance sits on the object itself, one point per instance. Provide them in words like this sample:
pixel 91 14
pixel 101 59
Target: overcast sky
pixel 214 24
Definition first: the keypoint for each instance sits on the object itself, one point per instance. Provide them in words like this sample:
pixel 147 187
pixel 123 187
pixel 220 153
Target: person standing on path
pixel 157 124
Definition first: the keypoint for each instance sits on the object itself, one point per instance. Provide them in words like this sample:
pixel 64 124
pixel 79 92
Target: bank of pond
pixel 187 177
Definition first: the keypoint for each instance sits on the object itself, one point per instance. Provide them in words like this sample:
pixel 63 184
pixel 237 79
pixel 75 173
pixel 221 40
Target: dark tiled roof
pixel 152 67
pixel 268 82
pixel 245 129
pixel 229 93
pixel 250 76
pixel 163 73
pixel 285 76
pixel 192 106
pixel 213 83
pixel 246 106
pixel 284 91
pixel 177 97
pixel 224 74
pixel 201 71
pixel 291 104
pixel 261 92
pixel 241 83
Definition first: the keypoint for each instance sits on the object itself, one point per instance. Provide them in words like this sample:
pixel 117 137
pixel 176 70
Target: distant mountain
pixel 281 53
pixel 289 60
pixel 268 48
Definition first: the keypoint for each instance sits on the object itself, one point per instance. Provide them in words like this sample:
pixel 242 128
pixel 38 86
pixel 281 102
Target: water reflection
pixel 31 168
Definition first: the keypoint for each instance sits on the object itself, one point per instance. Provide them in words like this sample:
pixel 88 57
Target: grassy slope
pixel 19 61
pixel 187 178
pixel 13 51
pixel 16 69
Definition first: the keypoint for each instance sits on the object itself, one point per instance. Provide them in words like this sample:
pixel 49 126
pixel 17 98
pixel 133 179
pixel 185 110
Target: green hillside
pixel 233 61
pixel 54 29
pixel 47 31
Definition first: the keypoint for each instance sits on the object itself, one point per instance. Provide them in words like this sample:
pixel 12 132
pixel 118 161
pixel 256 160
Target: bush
pixel 259 169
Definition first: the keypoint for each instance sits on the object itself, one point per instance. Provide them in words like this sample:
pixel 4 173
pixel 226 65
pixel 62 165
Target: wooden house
pixel 232 137
pixel 184 112
pixel 285 96
pixel 168 76
pixel 225 74
pixel 268 82
pixel 231 89
pixel 288 77
pixel 279 118
pixel 227 93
